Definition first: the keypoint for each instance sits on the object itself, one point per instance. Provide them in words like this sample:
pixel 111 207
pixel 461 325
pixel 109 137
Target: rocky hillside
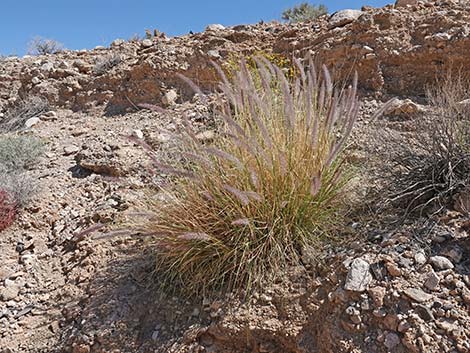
pixel 395 50
pixel 64 288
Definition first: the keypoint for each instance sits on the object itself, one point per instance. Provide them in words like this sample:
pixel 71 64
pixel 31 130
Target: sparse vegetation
pixel 429 170
pixel 19 185
pixel 106 63
pixel 17 115
pixel 304 12
pixel 271 184
pixel 43 46
pixel 17 188
pixel 135 38
pixel 19 153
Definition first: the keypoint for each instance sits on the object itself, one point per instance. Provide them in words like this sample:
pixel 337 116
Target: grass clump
pixel 271 183
pixel 430 170
pixel 304 12
pixel 27 108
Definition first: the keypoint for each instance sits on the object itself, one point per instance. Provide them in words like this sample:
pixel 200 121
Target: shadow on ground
pixel 124 310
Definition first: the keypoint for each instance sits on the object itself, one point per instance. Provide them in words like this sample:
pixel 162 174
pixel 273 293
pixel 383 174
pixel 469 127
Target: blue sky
pixel 87 23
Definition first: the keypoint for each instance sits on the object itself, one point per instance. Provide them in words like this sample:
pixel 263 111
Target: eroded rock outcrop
pixel 396 49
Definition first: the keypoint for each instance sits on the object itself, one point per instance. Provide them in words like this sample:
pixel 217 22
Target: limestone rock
pixel 404 107
pixel 401 3
pixel 359 276
pixel 344 17
pixel 214 54
pixel 31 122
pixel 420 258
pixel 101 162
pixel 441 263
pixel 170 97
pixel 138 133
pixel 147 43
pixel 70 149
pixel 417 295
pixel 9 293
pixel 117 42
pixel 206 136
pixel 215 27
pixel 432 281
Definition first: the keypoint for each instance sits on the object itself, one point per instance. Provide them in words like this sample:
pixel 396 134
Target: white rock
pixel 147 43
pixel 215 27
pixel 420 258
pixel 35 80
pixel 441 263
pixel 207 135
pixel 31 122
pixel 28 259
pixel 442 37
pixel 71 149
pixel 138 133
pixel 214 54
pixel 117 42
pixel 359 276
pixel 170 97
pixel 9 293
pixel 164 137
pixel 344 17
pixel 47 67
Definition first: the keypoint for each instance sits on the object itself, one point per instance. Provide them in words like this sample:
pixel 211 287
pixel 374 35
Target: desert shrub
pixel 16 116
pixel 135 38
pixel 19 185
pixel 271 183
pixel 19 152
pixel 42 46
pixel 432 164
pixel 106 63
pixel 304 12
pixel 7 210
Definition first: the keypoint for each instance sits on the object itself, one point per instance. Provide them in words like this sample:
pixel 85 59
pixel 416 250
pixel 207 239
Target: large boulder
pixel 344 17
pixel 401 3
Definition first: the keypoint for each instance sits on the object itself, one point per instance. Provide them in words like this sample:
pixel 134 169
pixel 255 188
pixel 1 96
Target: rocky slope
pixel 396 50
pixel 392 289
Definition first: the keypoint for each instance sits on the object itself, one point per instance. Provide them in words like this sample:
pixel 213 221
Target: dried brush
pixel 430 168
